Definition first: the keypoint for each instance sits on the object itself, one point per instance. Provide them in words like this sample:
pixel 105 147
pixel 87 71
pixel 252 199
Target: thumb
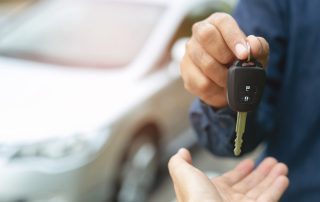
pixel 179 168
pixel 259 48
pixel 182 171
pixel 181 161
pixel 231 33
pixel 190 183
pixel 185 154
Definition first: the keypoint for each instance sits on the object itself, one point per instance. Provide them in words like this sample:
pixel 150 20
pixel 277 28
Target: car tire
pixel 139 167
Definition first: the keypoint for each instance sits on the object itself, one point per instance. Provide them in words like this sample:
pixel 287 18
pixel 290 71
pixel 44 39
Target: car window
pixel 83 33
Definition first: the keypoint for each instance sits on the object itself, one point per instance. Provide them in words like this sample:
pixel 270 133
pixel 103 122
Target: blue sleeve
pixel 215 129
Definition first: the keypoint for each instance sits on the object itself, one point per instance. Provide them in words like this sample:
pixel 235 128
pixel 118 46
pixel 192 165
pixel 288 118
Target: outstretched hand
pixel 266 183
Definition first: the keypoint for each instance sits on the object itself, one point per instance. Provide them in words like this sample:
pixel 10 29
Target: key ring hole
pixel 245 63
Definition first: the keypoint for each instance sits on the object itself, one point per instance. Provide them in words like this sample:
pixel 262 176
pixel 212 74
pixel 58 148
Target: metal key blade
pixel 240 128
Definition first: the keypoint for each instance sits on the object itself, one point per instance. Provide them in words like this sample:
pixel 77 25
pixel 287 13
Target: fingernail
pixel 241 51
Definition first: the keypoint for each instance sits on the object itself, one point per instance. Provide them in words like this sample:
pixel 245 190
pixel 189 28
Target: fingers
pixel 208 65
pixel 212 41
pixel 180 166
pixel 238 173
pixel 200 85
pixel 278 170
pixel 222 38
pixel 256 176
pixel 259 48
pixel 190 183
pixel 275 191
pixel 185 154
pixel 215 43
pixel 177 163
pixel 231 33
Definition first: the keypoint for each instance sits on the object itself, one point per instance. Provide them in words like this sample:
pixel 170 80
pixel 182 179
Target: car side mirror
pixel 177 52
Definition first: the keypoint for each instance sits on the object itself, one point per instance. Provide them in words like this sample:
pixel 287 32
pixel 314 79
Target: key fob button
pixel 245 99
pixel 246 93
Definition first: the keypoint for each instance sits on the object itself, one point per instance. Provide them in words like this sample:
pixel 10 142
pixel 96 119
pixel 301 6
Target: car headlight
pixel 57 148
pixel 54 149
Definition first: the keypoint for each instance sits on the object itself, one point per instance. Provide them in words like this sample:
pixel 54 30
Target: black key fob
pixel 246 81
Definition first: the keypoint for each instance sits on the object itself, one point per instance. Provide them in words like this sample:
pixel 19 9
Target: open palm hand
pixel 266 183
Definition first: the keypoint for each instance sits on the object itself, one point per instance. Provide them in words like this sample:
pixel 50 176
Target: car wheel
pixel 139 168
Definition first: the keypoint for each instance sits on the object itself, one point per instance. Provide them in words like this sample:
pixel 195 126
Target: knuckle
pixel 220 18
pixel 284 167
pixel 204 86
pixel 195 27
pixel 271 160
pixel 205 33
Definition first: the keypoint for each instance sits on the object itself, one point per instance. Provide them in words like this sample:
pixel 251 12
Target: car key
pixel 246 81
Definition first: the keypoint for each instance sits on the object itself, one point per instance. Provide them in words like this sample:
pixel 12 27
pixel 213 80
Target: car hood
pixel 37 102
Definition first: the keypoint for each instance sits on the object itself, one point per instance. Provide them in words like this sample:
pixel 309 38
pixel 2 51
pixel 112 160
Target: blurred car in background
pixel 11 8
pixel 91 99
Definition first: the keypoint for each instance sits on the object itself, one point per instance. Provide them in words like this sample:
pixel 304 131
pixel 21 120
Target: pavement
pixel 205 161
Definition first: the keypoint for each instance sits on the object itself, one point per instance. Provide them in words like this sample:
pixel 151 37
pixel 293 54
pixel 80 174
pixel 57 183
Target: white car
pixel 90 97
pixel 11 8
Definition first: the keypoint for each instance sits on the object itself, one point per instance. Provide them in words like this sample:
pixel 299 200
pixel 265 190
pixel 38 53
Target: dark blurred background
pixel 92 105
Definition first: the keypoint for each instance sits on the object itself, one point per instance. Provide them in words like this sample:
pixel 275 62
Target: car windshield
pixel 91 33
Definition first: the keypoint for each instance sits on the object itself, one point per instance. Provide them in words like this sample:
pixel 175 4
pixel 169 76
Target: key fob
pixel 246 81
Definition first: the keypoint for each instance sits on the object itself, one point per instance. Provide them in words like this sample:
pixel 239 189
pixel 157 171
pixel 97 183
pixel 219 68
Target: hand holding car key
pixel 246 80
pixel 215 43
